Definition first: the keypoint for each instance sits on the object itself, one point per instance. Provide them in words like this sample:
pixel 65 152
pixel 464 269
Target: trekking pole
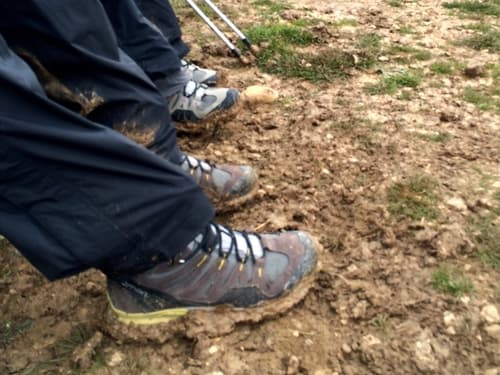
pixel 230 23
pixel 235 51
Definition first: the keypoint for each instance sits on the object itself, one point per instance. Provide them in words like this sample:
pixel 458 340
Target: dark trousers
pixel 148 31
pixel 74 193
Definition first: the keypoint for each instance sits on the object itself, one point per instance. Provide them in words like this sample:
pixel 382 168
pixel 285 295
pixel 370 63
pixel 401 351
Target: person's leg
pixel 74 40
pixel 179 83
pixel 162 15
pixel 75 194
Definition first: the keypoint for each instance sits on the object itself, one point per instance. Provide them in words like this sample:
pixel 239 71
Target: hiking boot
pixel 198 74
pixel 197 101
pixel 229 184
pixel 246 272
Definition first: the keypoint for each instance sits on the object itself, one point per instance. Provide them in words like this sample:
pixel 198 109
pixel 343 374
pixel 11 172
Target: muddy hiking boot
pixel 198 74
pixel 227 186
pixel 244 272
pixel 196 101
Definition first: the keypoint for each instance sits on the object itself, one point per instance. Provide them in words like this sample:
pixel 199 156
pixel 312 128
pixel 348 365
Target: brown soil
pixel 372 308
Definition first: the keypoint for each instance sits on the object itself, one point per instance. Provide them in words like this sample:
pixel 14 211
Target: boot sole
pixel 159 326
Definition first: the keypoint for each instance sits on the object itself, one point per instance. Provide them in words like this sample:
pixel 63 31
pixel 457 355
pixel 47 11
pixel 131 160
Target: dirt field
pixel 394 165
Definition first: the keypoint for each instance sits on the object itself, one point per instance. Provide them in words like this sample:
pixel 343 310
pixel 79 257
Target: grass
pixel 446 67
pixel 62 354
pixel 270 8
pixel 395 3
pixel 489 40
pixel 345 22
pixel 487 240
pixel 10 330
pixel 483 8
pixel 284 54
pixel 406 54
pixel 440 137
pixel 486 98
pixel 391 84
pixel 450 280
pixel 406 30
pixel 414 198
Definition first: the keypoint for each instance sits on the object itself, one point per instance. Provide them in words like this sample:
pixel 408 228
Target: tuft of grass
pixel 10 330
pixel 440 137
pixel 369 42
pixel 481 27
pixel 280 34
pixel 487 239
pixel 446 67
pixel 345 22
pixel 282 55
pixel 484 8
pixel 406 54
pixel 485 98
pixel 395 3
pixel 406 30
pixel 489 40
pixel 270 7
pixel 62 354
pixel 451 280
pixel 413 198
pixel 391 84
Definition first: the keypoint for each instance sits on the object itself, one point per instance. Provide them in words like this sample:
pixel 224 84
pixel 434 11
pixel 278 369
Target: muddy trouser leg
pixel 161 13
pixel 74 40
pixel 75 194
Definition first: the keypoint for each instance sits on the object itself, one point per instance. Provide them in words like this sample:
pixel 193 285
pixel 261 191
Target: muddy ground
pixel 329 154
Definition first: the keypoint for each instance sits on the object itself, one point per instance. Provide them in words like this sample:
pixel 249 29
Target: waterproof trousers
pixel 74 193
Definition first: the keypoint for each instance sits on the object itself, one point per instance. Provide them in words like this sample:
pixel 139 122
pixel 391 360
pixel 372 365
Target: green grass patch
pixel 413 198
pixel 284 54
pixel 440 137
pixel 62 354
pixel 487 240
pixel 391 84
pixel 483 8
pixel 280 35
pixel 480 26
pixel 486 98
pixel 10 330
pixel 407 54
pixel 447 67
pixel 489 40
pixel 270 8
pixel 451 280
pixel 343 22
pixel 395 3
pixel 406 30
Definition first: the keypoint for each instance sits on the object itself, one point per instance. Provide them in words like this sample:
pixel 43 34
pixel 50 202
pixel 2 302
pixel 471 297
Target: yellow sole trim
pixel 156 317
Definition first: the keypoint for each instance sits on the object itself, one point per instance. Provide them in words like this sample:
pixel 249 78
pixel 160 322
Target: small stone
pixel 449 319
pixel 457 203
pixel 383 58
pixel 309 342
pixel 215 373
pixel 493 331
pixel 489 313
pixel 451 331
pixel 293 365
pixel 492 371
pixel 465 299
pixel 295 333
pixel 425 235
pixel 369 340
pixel 115 359
pixel 346 348
pixel 213 349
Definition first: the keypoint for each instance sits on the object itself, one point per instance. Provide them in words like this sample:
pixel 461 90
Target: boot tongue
pixel 228 244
